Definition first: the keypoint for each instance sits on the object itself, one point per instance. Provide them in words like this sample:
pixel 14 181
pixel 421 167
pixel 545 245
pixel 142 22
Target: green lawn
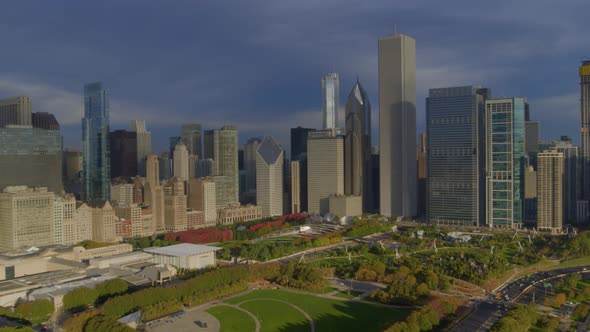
pixel 277 316
pixel 328 315
pixel 232 319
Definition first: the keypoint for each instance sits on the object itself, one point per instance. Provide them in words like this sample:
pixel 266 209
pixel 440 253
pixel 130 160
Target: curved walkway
pixel 311 323
pixel 235 306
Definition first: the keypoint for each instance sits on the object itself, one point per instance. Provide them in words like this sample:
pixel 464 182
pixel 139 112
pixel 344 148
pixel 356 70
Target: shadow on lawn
pixel 349 320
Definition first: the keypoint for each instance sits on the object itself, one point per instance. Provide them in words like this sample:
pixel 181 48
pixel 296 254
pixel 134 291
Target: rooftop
pixel 183 249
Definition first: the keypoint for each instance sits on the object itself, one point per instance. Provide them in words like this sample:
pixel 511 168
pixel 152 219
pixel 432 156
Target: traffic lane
pixel 480 315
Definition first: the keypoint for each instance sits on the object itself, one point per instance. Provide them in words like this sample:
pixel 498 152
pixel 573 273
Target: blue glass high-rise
pixel 96 168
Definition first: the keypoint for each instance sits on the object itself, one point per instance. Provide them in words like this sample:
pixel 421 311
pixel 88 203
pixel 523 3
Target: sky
pixel 258 64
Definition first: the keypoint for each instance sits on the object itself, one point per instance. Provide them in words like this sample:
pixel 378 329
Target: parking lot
pixel 197 320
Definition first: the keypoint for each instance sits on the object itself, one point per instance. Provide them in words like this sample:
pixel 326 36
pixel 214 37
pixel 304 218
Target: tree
pixel 102 323
pixel 80 298
pixel 77 322
pixel 111 287
pixel 36 312
pixel 571 282
pixel 557 301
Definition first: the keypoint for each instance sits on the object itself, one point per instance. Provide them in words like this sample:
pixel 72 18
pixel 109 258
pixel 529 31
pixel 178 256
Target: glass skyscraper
pixel 96 169
pixel 456 155
pixel 585 129
pixel 505 161
pixel 357 146
pixel 330 88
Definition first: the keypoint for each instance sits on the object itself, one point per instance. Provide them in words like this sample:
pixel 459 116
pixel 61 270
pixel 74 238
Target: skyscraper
pixel 549 191
pixel 585 129
pixel 175 205
pixel 201 197
pixel 180 162
pixel 455 118
pixel 190 134
pixel 144 144
pixel 325 162
pixel 299 153
pixel 123 153
pixel 330 98
pixel 357 146
pixel 165 166
pixel 153 170
pixel 571 178
pixel 31 155
pixel 295 187
pixel 15 111
pixel 505 162
pixel 269 177
pixel 95 139
pixel 421 162
pixel 222 146
pixel 250 149
pixel 397 132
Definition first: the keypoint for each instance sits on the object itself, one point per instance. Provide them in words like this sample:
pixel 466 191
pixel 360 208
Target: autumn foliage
pixel 201 235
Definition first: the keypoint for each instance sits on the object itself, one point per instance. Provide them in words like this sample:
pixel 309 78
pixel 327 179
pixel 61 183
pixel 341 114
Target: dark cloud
pixel 258 64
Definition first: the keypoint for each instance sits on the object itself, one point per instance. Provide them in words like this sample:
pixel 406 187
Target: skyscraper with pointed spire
pixel 357 145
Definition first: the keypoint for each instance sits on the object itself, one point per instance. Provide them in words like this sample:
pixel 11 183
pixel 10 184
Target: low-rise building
pixel 342 206
pixel 237 214
pixel 80 254
pixel 196 219
pixel 184 256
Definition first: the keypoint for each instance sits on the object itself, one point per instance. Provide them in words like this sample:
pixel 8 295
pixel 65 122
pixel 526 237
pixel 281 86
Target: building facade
pixel 550 191
pixel 96 174
pixel 103 221
pixel 222 146
pixel 397 133
pixel 123 153
pixel 325 163
pixel 330 100
pixel 269 177
pixel 174 205
pixel 585 129
pixel 144 144
pixel 190 135
pixel 357 146
pixel 250 149
pixel 455 119
pixel 299 153
pixel 180 162
pixel 295 187
pixel 15 111
pixel 202 197
pixel 27 217
pixel 237 214
pixel 505 162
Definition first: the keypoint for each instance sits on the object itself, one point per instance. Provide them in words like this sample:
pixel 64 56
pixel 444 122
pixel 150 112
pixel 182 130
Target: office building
pixel 357 145
pixel 138 190
pixel 532 137
pixel 571 178
pixel 103 221
pixel 585 130
pixel 505 162
pixel 375 182
pixel 31 156
pixel 123 153
pixel 72 164
pixel 455 119
pixel 204 168
pixel 299 153
pixel 237 214
pixel 397 132
pixel 180 162
pixel 549 191
pixel 131 214
pixel 184 256
pixel 422 164
pixel 154 198
pixel 152 170
pixel 295 187
pixel 346 206
pixel 77 222
pixel 192 166
pixel 96 174
pixel 201 197
pixel 172 142
pixel 269 177
pixel 325 163
pixel 250 149
pixel 221 145
pixel 27 217
pixel 190 134
pixel 122 193
pixel 530 195
pixel 144 144
pixel 174 205
pixel 196 220
pixel 165 166
pixel 330 99
pixel 15 111
pixel 45 121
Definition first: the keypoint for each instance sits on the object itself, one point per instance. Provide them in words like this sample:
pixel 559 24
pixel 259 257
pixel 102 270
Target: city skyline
pixel 441 62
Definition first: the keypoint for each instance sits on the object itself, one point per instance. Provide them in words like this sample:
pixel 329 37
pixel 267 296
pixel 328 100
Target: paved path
pixel 256 321
pixel 311 323
pixel 185 322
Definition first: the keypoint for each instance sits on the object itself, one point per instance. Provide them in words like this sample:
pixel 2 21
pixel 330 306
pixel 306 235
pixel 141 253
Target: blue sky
pixel 258 64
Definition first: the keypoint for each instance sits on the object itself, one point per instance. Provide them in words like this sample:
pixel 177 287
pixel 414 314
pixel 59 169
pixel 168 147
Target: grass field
pixel 274 313
pixel 345 295
pixel 233 319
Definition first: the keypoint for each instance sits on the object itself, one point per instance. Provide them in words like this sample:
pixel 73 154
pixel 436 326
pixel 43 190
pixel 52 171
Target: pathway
pixel 256 321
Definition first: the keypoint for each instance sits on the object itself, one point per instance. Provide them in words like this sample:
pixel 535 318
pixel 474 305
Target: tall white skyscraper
pixel 330 88
pixel 397 122
pixel 269 177
pixel 180 161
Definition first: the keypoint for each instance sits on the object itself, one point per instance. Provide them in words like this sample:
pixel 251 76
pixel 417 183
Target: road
pixel 523 290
